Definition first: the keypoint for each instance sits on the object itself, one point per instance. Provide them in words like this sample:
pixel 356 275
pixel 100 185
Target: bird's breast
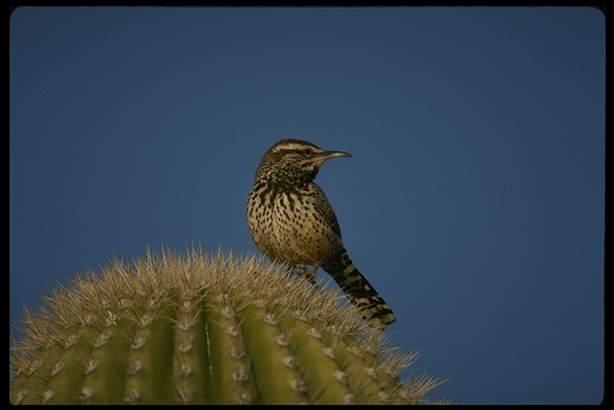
pixel 287 226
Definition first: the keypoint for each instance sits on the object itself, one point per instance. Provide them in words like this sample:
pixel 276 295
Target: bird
pixel 291 221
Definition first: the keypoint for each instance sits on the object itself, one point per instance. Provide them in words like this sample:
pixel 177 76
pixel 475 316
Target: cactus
pixel 200 328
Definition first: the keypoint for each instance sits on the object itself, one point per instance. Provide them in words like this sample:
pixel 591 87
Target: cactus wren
pixel 291 221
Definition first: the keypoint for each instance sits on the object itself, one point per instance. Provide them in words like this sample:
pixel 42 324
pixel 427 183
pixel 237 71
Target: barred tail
pixel 358 290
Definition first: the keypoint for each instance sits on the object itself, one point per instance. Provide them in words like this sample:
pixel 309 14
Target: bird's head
pixel 293 159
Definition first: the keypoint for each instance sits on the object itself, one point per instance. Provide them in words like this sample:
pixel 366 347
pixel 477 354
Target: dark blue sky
pixel 474 201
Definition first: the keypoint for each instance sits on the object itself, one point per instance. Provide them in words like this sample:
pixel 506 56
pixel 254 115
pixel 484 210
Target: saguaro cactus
pixel 203 329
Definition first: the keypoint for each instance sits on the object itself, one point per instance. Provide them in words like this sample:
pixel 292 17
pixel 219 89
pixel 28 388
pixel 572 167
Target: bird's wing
pixel 322 206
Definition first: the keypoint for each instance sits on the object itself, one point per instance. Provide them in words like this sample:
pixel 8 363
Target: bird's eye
pixel 307 152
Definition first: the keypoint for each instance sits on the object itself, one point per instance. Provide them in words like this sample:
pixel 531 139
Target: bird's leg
pixel 310 275
pixel 291 271
pixel 302 270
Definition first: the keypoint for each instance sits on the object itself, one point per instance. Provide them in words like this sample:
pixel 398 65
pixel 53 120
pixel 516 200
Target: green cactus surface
pixel 203 329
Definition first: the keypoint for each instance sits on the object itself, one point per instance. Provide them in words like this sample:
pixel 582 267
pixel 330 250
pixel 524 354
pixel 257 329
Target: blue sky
pixel 474 201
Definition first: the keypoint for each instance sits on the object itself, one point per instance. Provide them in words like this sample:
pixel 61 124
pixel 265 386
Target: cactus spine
pixel 203 329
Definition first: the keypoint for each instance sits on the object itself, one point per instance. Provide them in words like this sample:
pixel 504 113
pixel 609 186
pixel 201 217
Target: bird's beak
pixel 334 154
